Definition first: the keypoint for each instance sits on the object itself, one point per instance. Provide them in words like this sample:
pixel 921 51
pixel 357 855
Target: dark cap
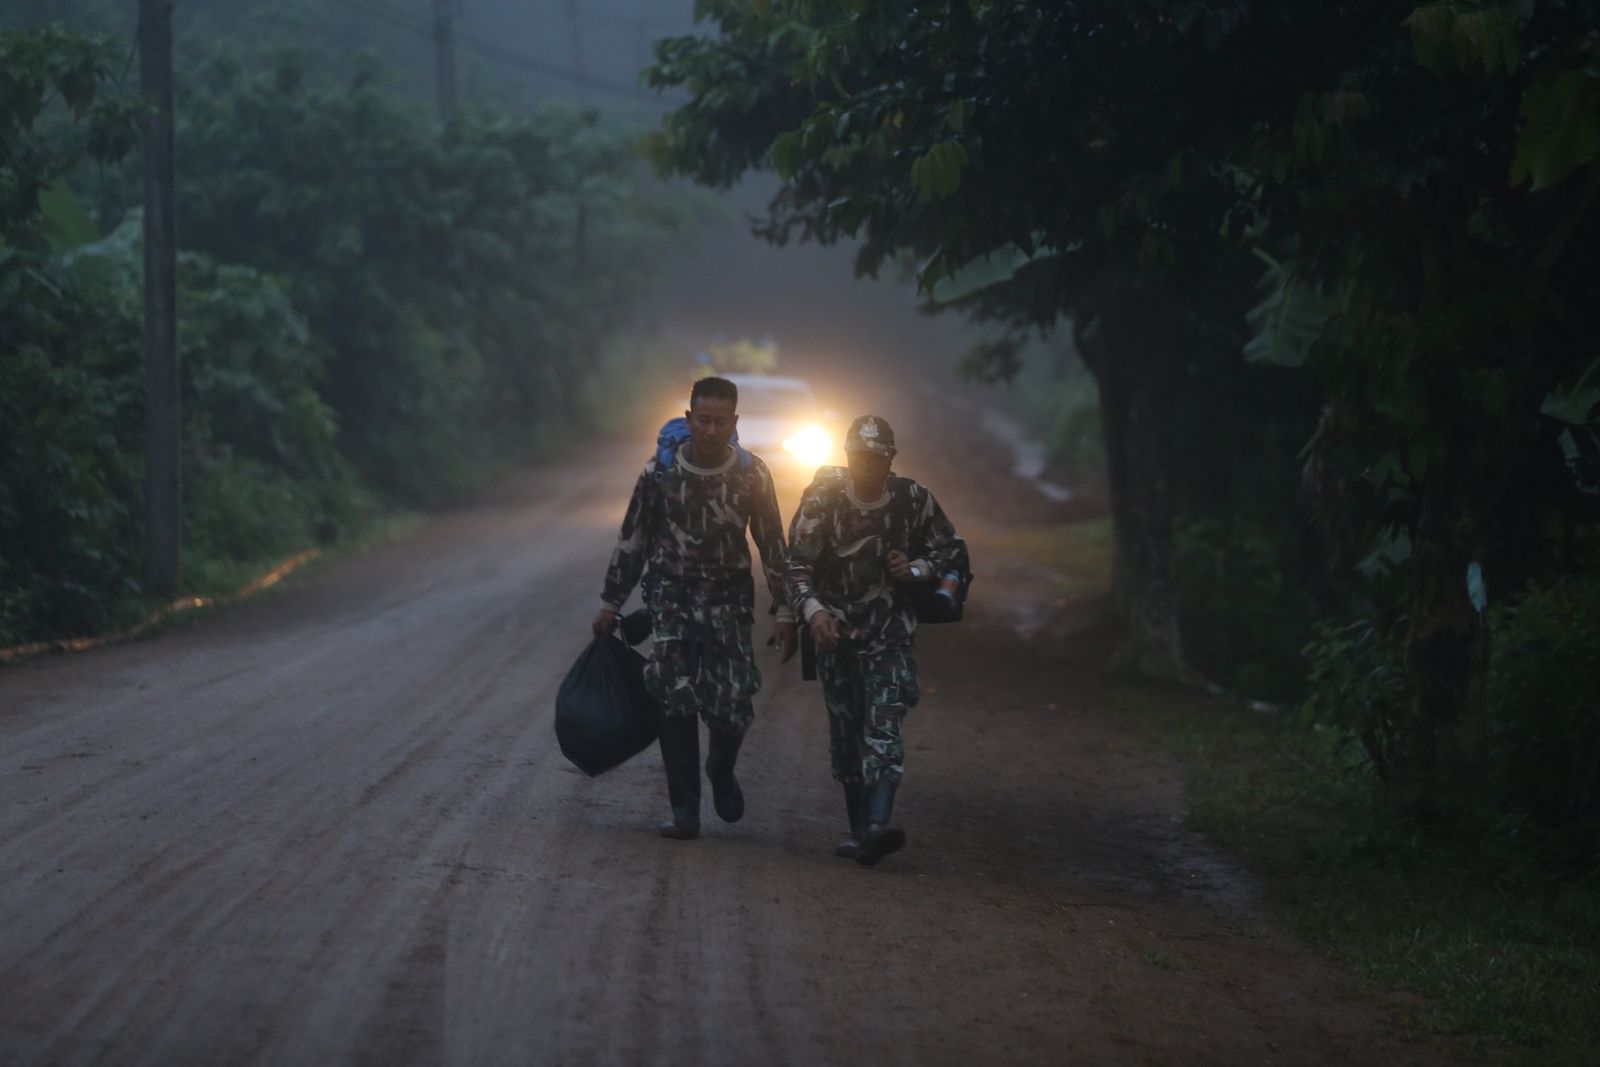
pixel 870 433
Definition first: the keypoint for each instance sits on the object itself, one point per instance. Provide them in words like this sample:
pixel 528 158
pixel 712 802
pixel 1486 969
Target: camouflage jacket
pixel 838 556
pixel 687 524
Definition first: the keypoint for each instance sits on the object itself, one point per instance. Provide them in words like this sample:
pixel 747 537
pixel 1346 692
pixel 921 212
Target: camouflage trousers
pixel 702 660
pixel 868 695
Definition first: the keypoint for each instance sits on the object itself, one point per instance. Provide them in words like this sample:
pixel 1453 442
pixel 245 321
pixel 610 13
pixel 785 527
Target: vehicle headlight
pixel 810 446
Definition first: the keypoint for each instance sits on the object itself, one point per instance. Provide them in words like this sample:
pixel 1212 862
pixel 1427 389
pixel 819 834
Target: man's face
pixel 711 423
pixel 868 470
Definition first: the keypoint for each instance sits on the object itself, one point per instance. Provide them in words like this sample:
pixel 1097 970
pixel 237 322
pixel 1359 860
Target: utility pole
pixel 163 487
pixel 581 237
pixel 444 56
pixel 575 28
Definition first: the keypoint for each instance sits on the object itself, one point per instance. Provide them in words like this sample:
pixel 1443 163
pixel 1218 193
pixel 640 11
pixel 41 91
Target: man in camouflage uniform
pixel 687 524
pixel 859 541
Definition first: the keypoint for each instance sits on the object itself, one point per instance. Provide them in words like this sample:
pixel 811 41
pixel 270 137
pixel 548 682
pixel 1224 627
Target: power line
pixel 163 401
pixel 634 21
pixel 499 53
pixel 489 50
pixel 444 56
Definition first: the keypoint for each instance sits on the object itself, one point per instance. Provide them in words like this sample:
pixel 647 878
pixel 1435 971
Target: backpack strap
pixel 901 506
pixel 667 458
pixel 831 484
pixel 674 434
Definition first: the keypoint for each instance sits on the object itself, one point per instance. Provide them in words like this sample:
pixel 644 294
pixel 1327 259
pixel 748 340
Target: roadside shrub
pixel 69 484
pixel 242 509
pixel 1544 694
pixel 68 532
pixel 262 473
pixel 1542 794
pixel 420 436
pixel 1356 681
pixel 1244 621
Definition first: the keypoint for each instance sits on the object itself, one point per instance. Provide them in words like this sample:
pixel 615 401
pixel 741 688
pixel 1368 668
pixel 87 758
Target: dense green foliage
pixel 1544 703
pixel 456 285
pixel 372 311
pixel 67 483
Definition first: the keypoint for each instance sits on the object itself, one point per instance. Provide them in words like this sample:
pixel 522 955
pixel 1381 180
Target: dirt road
pixel 332 826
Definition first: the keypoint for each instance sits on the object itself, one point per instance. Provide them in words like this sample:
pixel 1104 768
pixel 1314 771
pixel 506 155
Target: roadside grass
pixel 1502 953
pixel 1490 947
pixel 230 579
pixel 1480 942
pixel 210 584
pixel 227 578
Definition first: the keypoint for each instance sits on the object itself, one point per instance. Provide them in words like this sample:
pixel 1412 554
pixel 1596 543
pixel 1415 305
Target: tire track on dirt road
pixel 292 773
pixel 334 827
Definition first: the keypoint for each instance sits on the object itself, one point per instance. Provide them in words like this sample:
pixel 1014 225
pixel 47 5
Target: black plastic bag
pixel 604 715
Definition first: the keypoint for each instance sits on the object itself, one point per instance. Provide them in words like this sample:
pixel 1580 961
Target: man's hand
pixel 604 623
pixel 788 641
pixel 900 566
pixel 824 630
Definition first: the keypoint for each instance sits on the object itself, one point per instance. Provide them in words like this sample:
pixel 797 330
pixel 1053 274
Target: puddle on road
pixel 1182 866
pixel 1202 872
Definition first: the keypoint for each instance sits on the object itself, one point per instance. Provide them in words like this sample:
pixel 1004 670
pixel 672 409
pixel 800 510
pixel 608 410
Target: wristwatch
pixel 916 572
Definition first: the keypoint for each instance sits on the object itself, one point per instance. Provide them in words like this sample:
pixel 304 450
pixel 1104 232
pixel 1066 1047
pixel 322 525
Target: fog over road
pixel 333 826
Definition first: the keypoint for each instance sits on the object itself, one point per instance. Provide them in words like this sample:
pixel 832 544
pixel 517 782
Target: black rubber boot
pixel 851 846
pixel 726 796
pixel 881 837
pixel 680 756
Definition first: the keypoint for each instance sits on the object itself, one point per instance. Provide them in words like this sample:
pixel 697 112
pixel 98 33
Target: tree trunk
pixel 1440 750
pixel 1135 378
pixel 163 413
pixel 1114 410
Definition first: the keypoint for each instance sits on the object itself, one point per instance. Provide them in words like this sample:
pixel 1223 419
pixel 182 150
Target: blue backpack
pixel 675 434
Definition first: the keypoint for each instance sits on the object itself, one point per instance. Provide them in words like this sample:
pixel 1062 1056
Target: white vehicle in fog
pixel 781 415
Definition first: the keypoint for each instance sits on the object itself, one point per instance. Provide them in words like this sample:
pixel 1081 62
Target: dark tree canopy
pixel 1401 195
